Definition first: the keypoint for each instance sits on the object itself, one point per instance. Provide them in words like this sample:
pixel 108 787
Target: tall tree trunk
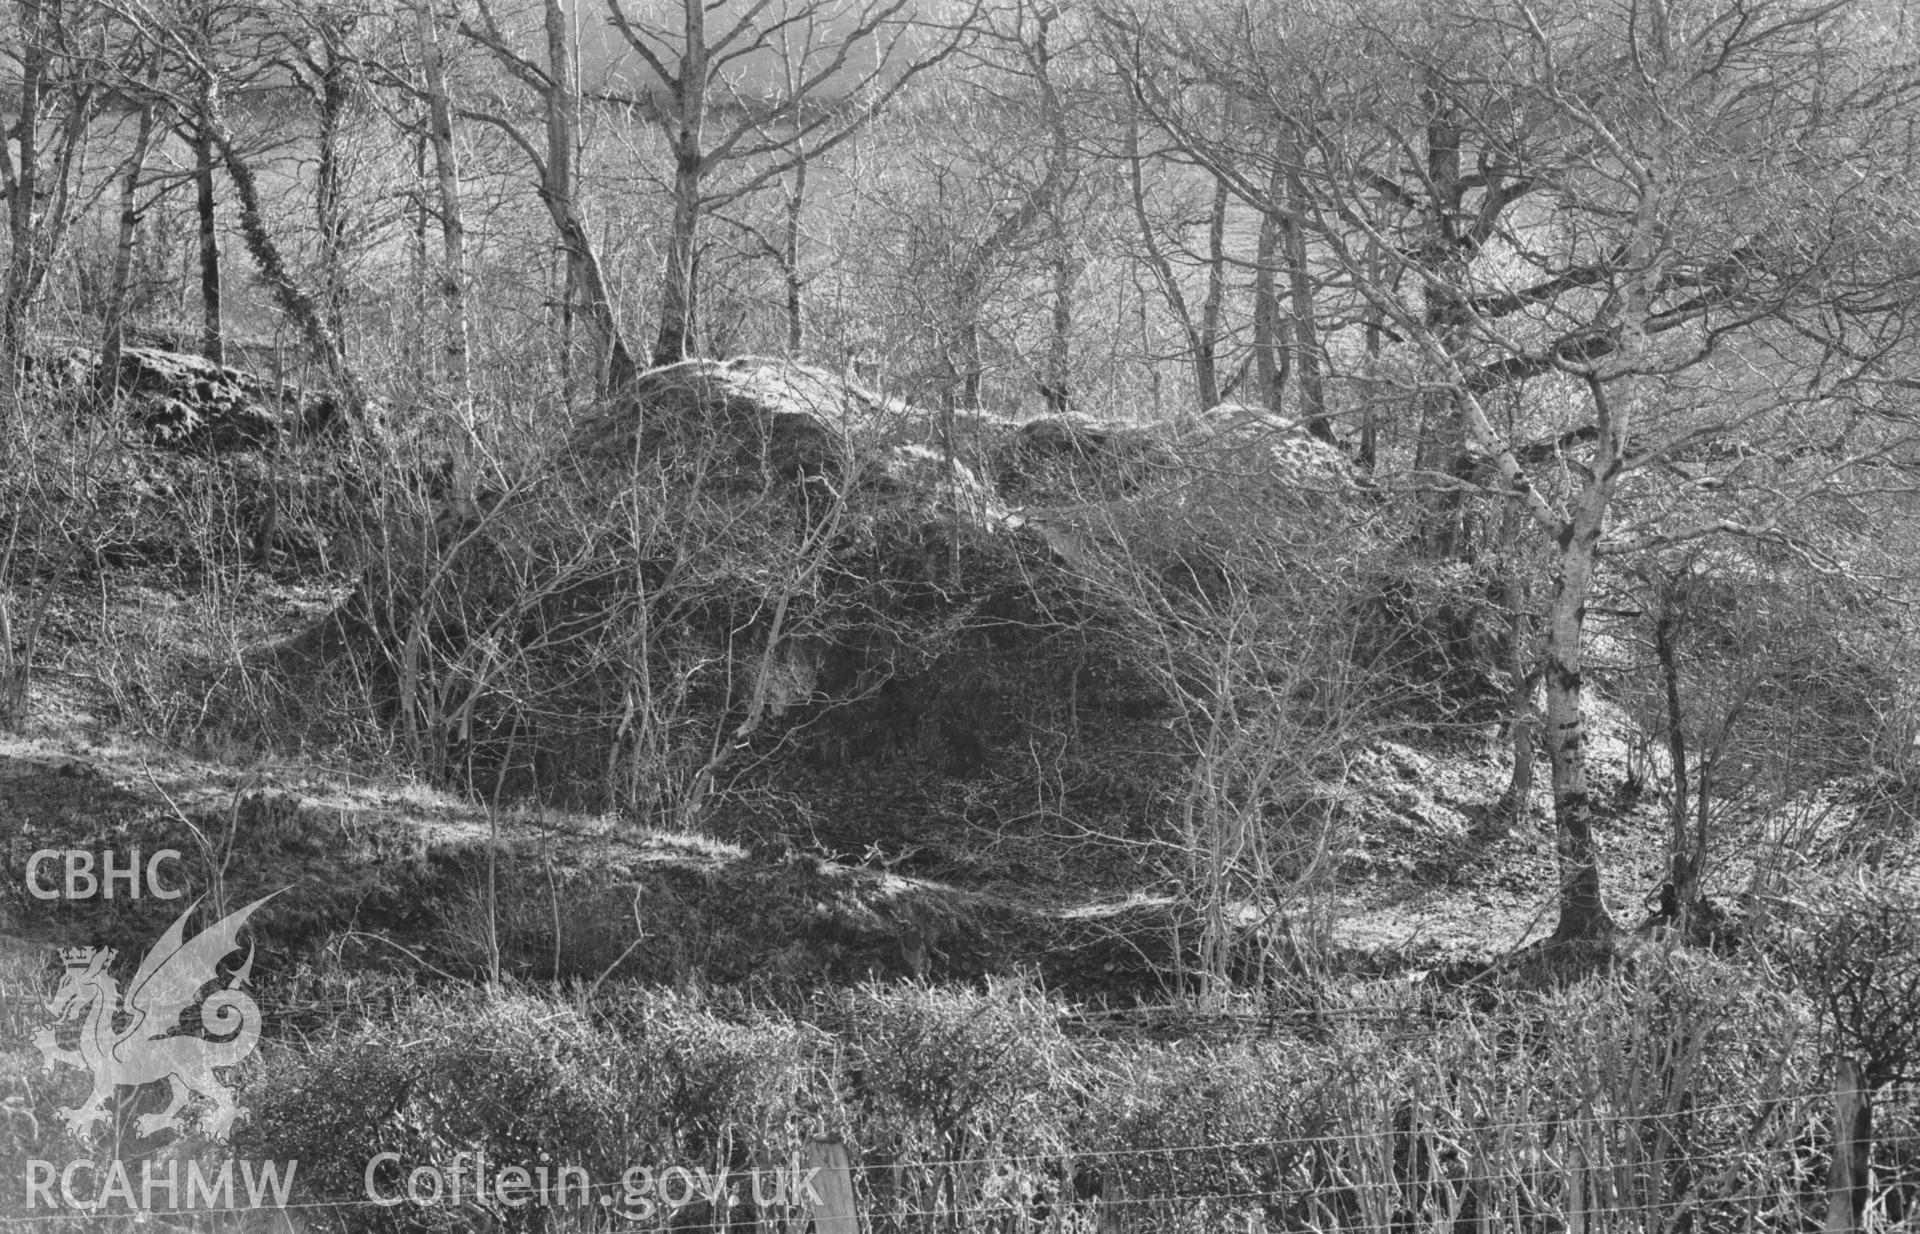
pixel 1056 383
pixel 39 199
pixel 1373 326
pixel 1158 262
pixel 1576 540
pixel 597 303
pixel 972 361
pixel 1440 450
pixel 583 269
pixel 1512 806
pixel 796 202
pixel 566 290
pixel 1206 366
pixel 586 284
pixel 678 293
pixel 452 280
pixel 1583 911
pixel 563 137
pixel 1678 896
pixel 975 276
pixel 294 299
pixel 39 177
pixel 125 242
pixel 1306 341
pixel 584 276
pixel 49 213
pixel 213 343
pixel 425 281
pixel 22 172
pixel 1271 359
pixel 332 93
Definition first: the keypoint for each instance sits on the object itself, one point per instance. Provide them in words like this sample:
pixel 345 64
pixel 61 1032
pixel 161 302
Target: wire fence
pixel 1631 1152
pixel 1732 1167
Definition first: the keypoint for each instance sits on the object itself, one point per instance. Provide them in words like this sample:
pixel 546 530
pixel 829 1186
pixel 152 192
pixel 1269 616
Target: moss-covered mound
pixel 752 588
pixel 186 402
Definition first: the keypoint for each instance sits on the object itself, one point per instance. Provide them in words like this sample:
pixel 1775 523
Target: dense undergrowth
pixel 1667 1089
pixel 992 794
pixel 1674 1091
pixel 776 645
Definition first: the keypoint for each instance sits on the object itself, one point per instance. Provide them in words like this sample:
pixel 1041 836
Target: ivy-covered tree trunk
pixel 213 344
pixel 293 297
pixel 333 94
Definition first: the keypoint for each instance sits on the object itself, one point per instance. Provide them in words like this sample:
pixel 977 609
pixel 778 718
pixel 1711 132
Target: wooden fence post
pixel 835 1213
pixel 1852 1148
pixel 765 1166
pixel 1576 1190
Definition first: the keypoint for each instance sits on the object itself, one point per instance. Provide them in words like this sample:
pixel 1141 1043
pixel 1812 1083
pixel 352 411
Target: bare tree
pixel 213 336
pixel 452 280
pixel 1593 226
pixel 58 96
pixel 1201 329
pixel 453 229
pixel 720 107
pixel 326 59
pixel 553 83
pixel 127 233
pixel 201 93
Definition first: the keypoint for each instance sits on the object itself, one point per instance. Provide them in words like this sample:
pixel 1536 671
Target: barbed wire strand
pixel 1597 1173
pixel 899 1216
pixel 1462 1132
pixel 1785 1103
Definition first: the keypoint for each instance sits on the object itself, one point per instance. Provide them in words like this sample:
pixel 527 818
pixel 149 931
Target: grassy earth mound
pixel 749 556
